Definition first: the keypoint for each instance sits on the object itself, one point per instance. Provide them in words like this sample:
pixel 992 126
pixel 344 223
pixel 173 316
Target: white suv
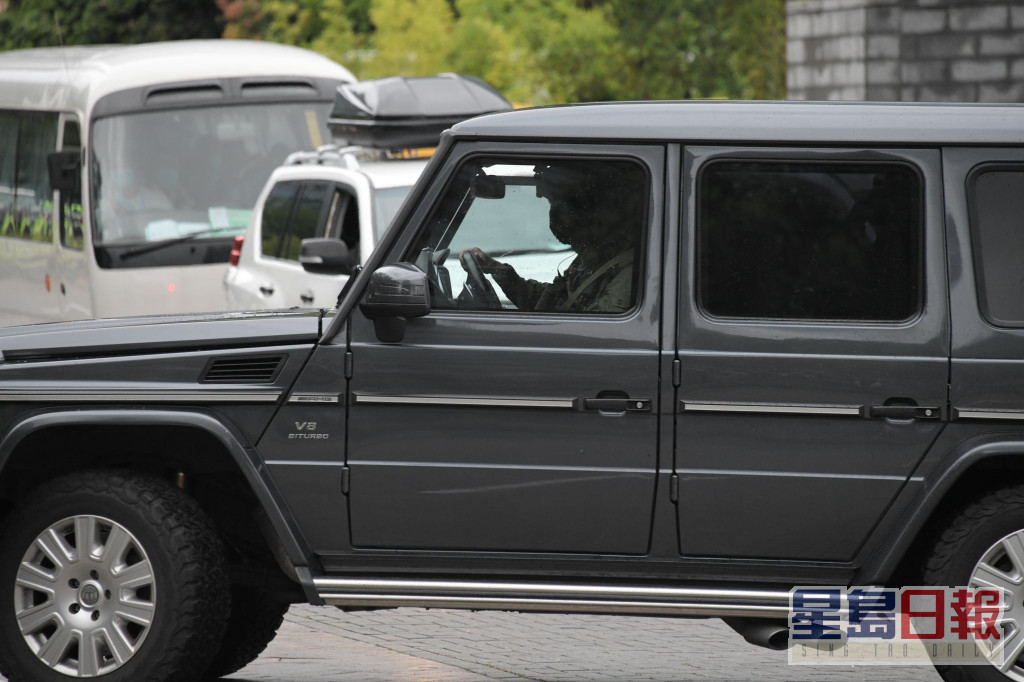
pixel 321 213
pixel 345 195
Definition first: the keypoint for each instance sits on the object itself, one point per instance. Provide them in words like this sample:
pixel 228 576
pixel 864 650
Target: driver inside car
pixel 589 216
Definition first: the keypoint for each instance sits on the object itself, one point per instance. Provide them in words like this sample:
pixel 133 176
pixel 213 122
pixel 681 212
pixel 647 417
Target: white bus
pixel 157 153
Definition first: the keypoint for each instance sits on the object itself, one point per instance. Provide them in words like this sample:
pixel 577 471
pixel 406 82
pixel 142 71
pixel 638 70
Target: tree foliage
pixel 33 23
pixel 533 51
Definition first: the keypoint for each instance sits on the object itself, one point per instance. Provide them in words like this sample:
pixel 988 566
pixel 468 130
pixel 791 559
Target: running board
pixel 553 597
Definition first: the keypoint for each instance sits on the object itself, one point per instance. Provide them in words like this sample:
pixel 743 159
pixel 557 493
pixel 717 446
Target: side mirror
pixel 65 169
pixel 325 256
pixel 395 292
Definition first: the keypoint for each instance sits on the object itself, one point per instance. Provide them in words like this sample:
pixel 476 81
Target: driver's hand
pixel 487 264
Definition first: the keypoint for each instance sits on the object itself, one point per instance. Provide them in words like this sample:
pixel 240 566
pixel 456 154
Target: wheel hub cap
pixel 1002 567
pixel 85 596
pixel 89 595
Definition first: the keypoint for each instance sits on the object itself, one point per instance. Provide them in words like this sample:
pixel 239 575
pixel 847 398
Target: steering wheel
pixel 478 286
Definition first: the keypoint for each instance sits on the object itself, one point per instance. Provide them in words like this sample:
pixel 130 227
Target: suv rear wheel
pixel 113 575
pixel 982 546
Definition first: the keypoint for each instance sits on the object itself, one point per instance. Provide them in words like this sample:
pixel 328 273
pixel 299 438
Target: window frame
pixel 66 123
pixel 407 252
pixel 790 158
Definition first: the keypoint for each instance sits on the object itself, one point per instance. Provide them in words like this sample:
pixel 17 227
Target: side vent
pixel 254 369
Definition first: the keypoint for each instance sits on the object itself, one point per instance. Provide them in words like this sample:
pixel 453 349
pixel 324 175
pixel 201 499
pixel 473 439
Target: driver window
pixel 541 236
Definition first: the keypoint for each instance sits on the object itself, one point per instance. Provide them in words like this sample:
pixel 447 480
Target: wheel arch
pixel 965 472
pixel 21 466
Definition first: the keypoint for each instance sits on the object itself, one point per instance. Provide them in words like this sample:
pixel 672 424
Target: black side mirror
pixel 65 169
pixel 325 256
pixel 395 292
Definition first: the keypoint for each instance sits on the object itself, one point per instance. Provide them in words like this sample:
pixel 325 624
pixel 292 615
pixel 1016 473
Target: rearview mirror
pixel 395 292
pixel 325 256
pixel 65 170
pixel 487 187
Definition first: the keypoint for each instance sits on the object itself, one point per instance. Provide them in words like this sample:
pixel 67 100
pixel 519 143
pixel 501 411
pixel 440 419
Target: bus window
pixel 8 155
pixel 33 198
pixel 164 175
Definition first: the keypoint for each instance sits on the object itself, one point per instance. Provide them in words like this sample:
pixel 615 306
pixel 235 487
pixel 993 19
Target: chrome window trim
pixel 551 403
pixel 773 408
pixel 130 396
pixel 314 398
pixel 968 413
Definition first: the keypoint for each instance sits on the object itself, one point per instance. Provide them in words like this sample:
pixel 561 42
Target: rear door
pixel 813 344
pixel 986 246
pixel 510 424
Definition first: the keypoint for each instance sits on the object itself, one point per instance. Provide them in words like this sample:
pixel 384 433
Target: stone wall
pixel 906 50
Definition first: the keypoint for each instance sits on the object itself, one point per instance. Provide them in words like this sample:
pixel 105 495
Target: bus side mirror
pixel 65 169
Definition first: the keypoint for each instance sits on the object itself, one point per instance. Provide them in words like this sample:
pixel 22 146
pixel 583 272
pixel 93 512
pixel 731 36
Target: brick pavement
pixel 323 643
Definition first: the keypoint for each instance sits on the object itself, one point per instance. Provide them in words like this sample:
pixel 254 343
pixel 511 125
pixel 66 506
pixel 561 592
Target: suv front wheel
pixel 112 575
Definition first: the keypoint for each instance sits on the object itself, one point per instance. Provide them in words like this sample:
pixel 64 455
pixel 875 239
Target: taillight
pixel 236 250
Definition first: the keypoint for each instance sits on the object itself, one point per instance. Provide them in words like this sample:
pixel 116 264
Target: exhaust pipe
pixel 771 634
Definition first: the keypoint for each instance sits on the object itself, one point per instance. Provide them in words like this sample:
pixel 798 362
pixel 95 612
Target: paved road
pixel 322 643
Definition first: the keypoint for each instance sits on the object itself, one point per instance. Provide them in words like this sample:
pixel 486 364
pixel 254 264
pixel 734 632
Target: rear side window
pixel 996 199
pixel 276 211
pixel 790 240
pixel 297 210
pixel 306 217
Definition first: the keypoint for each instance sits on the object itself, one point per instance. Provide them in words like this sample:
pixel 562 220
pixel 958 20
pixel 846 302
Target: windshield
pixel 169 174
pixel 386 203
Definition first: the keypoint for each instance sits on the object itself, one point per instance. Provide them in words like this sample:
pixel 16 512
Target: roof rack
pixel 350 156
pixel 390 113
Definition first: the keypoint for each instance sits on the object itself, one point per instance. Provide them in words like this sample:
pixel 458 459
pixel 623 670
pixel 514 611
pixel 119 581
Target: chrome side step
pixel 553 597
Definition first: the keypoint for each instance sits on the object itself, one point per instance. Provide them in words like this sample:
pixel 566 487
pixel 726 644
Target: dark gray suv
pixel 645 358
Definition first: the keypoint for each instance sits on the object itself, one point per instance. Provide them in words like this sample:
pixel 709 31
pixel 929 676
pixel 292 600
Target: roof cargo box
pixel 392 113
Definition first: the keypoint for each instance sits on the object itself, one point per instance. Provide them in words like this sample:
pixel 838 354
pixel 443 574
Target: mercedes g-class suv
pixel 638 358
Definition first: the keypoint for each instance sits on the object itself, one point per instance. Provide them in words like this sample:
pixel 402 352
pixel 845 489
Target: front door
pixel 520 414
pixel 813 344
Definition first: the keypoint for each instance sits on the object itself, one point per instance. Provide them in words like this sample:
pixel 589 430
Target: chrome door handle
pixel 617 404
pixel 903 412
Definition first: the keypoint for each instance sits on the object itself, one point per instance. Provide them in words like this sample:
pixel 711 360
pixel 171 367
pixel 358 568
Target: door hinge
pixel 673 488
pixel 348 364
pixel 677 373
pixel 346 477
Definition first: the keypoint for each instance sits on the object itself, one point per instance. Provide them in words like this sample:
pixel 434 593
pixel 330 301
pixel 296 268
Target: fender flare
pixel 946 473
pixel 243 453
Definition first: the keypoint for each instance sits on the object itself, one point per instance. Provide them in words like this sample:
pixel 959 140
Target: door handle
pixel 906 412
pixel 266 290
pixel 306 296
pixel 617 404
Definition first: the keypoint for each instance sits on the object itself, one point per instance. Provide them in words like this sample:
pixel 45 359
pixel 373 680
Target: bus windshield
pixel 164 175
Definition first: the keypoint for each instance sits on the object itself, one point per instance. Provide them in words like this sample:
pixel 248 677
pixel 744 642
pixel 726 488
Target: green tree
pixel 412 37
pixel 682 49
pixel 33 23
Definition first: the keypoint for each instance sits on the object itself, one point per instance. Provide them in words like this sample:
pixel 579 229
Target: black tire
pixel 171 544
pixel 967 535
pixel 253 624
